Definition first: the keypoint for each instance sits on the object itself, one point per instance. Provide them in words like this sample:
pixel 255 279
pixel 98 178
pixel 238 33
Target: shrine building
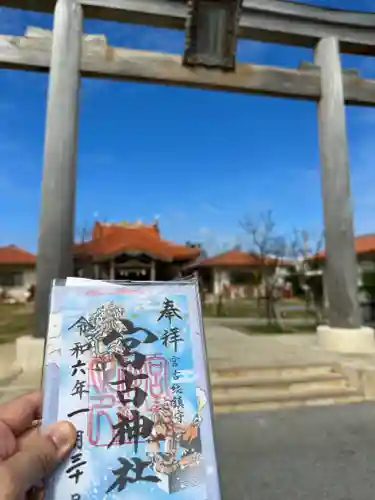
pixel 131 251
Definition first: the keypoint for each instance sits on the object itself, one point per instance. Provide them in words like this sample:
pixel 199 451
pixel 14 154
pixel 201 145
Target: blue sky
pixel 200 160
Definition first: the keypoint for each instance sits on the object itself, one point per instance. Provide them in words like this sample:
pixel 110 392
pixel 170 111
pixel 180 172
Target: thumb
pixel 37 458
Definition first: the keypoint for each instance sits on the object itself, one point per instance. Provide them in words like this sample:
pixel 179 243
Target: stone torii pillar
pixel 56 230
pixel 344 332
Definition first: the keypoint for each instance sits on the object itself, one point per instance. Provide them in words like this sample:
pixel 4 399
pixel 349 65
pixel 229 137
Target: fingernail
pixel 63 434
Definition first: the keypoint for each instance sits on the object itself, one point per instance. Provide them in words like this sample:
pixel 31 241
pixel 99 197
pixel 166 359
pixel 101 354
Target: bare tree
pixel 270 249
pixel 83 233
pixel 82 261
pixel 308 270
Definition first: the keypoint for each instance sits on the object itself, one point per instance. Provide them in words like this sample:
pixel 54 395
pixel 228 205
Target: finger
pixel 27 439
pixel 41 453
pixel 20 413
pixel 8 443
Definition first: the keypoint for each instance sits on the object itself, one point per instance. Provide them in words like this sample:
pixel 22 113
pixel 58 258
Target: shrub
pixel 368 283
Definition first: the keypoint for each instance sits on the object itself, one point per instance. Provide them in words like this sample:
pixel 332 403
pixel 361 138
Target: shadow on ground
pixel 308 454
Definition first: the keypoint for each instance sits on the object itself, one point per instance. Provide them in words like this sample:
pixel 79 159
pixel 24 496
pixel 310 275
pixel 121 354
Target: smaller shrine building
pixel 236 273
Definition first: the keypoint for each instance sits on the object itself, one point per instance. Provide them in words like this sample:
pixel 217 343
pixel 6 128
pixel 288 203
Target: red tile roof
pixel 365 243
pixel 231 258
pixel 113 239
pixel 234 258
pixel 12 254
pixel 362 244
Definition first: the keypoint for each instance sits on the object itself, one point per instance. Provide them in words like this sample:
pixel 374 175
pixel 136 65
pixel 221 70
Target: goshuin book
pixel 126 364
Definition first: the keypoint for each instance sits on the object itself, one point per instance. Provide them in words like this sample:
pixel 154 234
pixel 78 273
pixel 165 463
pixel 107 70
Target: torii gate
pixel 70 54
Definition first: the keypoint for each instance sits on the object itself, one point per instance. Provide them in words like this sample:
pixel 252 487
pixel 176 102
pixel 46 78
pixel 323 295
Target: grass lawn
pixel 276 330
pixel 249 309
pixel 15 320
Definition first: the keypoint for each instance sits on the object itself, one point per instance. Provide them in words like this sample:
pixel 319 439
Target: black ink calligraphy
pixel 169 311
pixel 77 412
pixel 82 325
pixel 172 337
pixel 139 394
pixel 81 366
pixel 79 349
pixel 131 429
pixel 137 468
pixel 79 388
pixel 78 370
pixel 75 471
pixel 172 334
pixel 178 400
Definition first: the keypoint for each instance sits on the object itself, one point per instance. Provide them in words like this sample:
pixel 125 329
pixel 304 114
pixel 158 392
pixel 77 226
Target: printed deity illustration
pixel 182 446
pixel 108 332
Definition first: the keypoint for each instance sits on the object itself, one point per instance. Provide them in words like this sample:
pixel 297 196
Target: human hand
pixel 28 454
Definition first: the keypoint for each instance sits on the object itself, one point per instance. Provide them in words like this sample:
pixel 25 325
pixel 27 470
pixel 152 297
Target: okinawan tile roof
pixel 12 254
pixel 114 239
pixel 363 244
pixel 239 258
pixel 231 258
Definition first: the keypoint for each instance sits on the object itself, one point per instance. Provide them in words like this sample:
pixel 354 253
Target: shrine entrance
pixel 140 269
pixel 209 62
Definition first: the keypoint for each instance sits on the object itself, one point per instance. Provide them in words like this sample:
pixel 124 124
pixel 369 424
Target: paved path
pixel 304 454
pixel 258 321
pixel 227 347
pixel 7 358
